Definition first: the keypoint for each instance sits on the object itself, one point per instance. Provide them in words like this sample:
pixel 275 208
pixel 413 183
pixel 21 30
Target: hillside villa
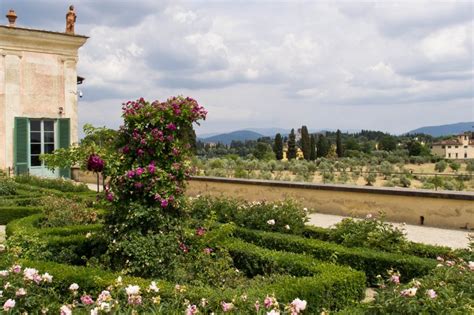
pixel 459 148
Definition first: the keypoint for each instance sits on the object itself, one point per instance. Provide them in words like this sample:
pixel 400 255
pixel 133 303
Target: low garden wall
pixel 436 208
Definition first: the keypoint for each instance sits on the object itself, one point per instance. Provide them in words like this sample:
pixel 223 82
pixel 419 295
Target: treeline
pixel 301 144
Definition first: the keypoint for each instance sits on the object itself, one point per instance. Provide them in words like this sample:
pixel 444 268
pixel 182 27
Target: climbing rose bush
pixel 147 185
pixel 154 151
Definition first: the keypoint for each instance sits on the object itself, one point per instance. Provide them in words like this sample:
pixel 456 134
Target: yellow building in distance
pixel 459 148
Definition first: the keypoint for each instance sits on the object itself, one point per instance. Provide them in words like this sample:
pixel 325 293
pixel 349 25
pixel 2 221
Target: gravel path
pixel 2 234
pixel 415 233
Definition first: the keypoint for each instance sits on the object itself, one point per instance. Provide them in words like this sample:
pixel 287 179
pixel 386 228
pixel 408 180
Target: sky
pixel 380 65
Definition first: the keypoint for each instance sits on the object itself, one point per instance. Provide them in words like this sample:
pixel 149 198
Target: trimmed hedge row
pixel 416 249
pixel 8 214
pixel 52 183
pixel 372 262
pixel 329 286
pixel 335 286
pixel 323 285
pixel 60 244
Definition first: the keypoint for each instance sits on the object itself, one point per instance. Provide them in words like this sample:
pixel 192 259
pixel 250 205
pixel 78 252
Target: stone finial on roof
pixel 11 16
pixel 70 20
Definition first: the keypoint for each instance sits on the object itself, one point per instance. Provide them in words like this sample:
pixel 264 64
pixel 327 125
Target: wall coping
pixel 396 191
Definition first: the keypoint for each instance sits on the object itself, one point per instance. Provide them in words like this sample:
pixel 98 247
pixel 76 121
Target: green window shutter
pixel 20 145
pixel 64 137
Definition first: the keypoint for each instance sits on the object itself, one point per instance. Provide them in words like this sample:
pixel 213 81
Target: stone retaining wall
pixel 436 208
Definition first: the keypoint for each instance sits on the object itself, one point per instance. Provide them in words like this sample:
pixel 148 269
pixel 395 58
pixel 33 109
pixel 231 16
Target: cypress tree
pixel 291 153
pixel 323 146
pixel 278 147
pixel 339 148
pixel 305 143
pixel 312 154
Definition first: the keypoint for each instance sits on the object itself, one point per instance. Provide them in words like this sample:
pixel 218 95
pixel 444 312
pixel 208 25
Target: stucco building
pixel 459 148
pixel 38 96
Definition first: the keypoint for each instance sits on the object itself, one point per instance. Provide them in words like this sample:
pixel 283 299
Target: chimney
pixel 11 16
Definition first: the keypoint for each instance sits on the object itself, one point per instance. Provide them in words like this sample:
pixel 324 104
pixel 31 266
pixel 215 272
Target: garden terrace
pixel 287 275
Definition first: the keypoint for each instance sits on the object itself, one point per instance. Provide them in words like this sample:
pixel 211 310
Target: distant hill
pixel 270 132
pixel 445 130
pixel 239 135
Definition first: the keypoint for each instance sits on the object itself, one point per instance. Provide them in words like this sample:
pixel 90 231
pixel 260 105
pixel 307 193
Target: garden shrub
pixel 409 248
pixel 441 166
pixel 62 212
pixel 446 290
pixel 370 232
pixel 8 214
pixel 284 216
pixel 60 184
pixel 372 262
pixel 7 187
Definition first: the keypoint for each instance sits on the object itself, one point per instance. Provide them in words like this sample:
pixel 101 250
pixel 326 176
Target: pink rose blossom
pixel 20 292
pixel 395 279
pixel 171 126
pixel 16 269
pixel 200 231
pixel 87 300
pixel 183 247
pixel 152 168
pixel 139 171
pixel 431 293
pixel 191 310
pixel 9 304
pixel 65 310
pixel 110 196
pixel 227 306
pixel 134 299
pixel 268 302
pixel 257 305
pixel 409 292
pixel 298 305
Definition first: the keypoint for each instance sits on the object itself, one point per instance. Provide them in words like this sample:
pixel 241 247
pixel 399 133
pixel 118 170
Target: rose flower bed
pixel 144 248
pixel 140 251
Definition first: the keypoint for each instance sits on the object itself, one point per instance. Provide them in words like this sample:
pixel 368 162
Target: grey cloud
pixel 265 64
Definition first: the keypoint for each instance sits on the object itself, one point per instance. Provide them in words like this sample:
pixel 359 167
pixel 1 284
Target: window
pixel 449 147
pixel 465 155
pixel 465 147
pixel 443 147
pixel 456 146
pixel 456 155
pixel 449 154
pixel 41 139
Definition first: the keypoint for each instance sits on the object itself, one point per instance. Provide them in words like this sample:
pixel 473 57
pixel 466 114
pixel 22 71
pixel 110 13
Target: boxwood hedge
pixel 372 262
pixel 412 248
pixel 324 286
pixel 11 213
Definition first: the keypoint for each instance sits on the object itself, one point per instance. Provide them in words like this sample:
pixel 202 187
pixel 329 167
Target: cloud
pixel 282 64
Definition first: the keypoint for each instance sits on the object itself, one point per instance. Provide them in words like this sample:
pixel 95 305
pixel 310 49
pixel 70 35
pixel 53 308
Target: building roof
pixel 448 142
pixel 41 31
